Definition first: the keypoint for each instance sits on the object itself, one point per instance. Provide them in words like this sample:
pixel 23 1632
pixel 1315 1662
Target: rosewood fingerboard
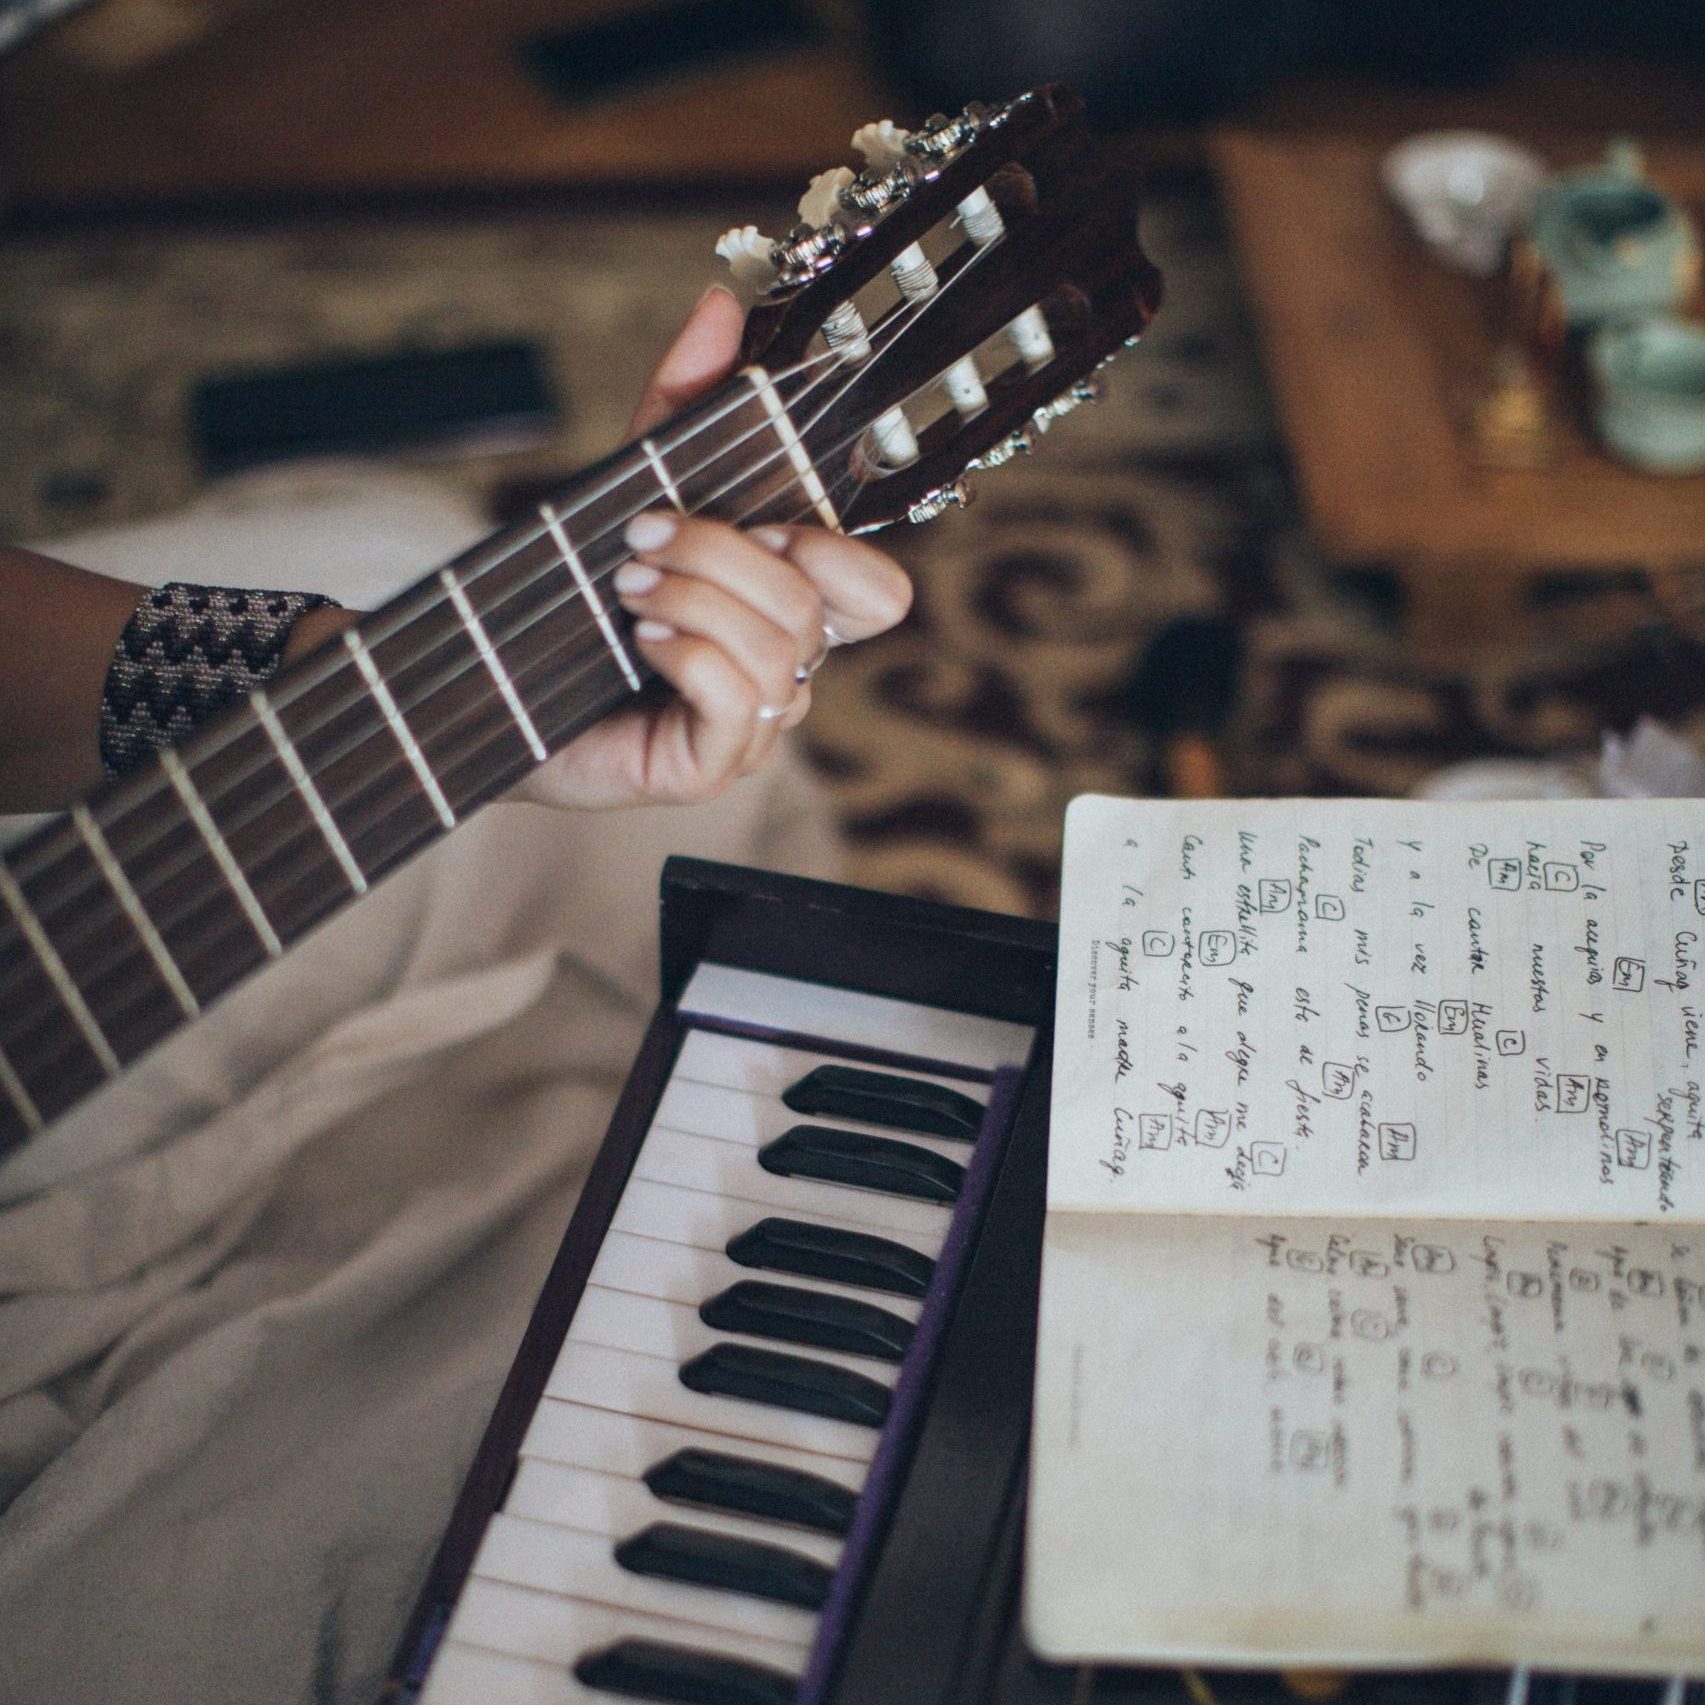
pixel 127 917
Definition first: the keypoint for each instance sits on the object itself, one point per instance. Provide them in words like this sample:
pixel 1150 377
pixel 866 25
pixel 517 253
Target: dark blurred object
pixel 21 18
pixel 478 397
pixel 1153 63
pixel 612 55
pixel 1182 691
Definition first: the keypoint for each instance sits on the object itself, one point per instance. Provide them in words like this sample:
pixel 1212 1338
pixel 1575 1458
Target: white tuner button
pixel 964 386
pixel 913 273
pixel 846 333
pixel 1031 338
pixel 896 443
pixel 750 256
pixel 880 145
pixel 983 222
pixel 822 200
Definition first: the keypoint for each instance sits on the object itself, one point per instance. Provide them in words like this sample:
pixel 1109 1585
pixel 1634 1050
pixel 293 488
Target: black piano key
pixel 741 1486
pixel 671 1552
pixel 787 1382
pixel 649 1669
pixel 885 1098
pixel 867 1163
pixel 827 1252
pixel 763 1310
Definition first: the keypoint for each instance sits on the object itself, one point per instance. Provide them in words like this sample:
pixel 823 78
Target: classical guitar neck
pixel 124 919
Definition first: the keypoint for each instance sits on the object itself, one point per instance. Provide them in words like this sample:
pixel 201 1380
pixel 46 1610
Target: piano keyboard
pixel 686 1485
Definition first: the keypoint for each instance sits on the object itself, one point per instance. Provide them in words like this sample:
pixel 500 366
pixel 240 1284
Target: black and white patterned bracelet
pixel 187 653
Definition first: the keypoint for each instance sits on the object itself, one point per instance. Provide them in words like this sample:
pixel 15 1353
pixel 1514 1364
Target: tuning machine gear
pixel 808 250
pixel 939 501
pixel 942 135
pixel 1083 391
pixel 1017 443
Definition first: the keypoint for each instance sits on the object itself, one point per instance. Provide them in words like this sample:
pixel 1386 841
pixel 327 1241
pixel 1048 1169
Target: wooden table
pixel 1375 351
pixel 297 101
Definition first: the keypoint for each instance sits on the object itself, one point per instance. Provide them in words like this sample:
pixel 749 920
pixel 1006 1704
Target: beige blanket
pixel 257 1298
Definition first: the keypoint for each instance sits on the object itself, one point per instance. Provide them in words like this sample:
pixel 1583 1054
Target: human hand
pixel 727 618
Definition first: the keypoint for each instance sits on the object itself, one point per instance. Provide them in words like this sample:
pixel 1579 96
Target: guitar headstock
pixel 937 310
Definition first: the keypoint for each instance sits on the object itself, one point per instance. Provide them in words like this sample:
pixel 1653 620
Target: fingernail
pixel 715 288
pixel 635 579
pixel 649 629
pixel 649 532
pixel 771 538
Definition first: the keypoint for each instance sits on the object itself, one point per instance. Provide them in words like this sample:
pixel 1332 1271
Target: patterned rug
pixel 1151 546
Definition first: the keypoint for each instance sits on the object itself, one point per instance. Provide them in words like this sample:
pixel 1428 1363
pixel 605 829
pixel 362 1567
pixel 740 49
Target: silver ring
pixel 806 670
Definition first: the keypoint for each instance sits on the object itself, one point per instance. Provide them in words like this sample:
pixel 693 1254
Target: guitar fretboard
pixel 127 917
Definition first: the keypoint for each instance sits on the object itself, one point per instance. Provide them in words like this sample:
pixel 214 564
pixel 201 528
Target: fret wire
pixel 18 1095
pixel 405 735
pixel 222 854
pixel 64 986
pixel 571 561
pixel 664 478
pixel 797 454
pixel 305 785
pixel 494 663
pixel 131 901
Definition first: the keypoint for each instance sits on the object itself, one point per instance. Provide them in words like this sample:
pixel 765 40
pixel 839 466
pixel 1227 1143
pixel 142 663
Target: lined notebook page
pixel 1297 1441
pixel 1382 1007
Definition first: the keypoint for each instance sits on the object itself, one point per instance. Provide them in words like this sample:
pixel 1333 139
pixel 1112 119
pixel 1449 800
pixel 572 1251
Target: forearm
pixel 59 627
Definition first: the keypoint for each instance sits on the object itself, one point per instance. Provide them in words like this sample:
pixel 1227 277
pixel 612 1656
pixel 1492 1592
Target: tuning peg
pixel 938 502
pixel 1083 391
pixel 1017 443
pixel 750 256
pixel 822 200
pixel 880 145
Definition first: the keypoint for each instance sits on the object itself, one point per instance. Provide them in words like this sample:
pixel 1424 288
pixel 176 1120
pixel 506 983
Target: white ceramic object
pixel 1466 192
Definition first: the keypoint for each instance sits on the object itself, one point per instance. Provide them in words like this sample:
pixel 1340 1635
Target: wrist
pixel 315 628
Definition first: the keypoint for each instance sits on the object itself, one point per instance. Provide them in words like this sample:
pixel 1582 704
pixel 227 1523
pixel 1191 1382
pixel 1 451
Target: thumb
pixel 703 354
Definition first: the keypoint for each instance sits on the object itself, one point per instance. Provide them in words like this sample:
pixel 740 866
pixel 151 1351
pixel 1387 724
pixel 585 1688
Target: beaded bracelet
pixel 186 653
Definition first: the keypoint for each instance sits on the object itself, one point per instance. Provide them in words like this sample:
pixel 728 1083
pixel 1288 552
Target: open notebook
pixel 1373 1303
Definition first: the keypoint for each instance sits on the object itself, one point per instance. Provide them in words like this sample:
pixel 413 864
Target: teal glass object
pixel 1615 247
pixel 1649 376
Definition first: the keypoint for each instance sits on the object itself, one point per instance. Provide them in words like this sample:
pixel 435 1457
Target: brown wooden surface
pixel 1374 351
pixel 399 95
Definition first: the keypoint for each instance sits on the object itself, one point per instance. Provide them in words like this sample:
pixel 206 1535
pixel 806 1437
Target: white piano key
pixel 582 1437
pixel 737 1116
pixel 473 1675
pixel 619 1320
pixel 523 1622
pixel 561 1560
pixel 872 1021
pixel 672 1272
pixel 729 1171
pixel 703 1221
pixel 651 1387
pixel 769 1068
pixel 617 1508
